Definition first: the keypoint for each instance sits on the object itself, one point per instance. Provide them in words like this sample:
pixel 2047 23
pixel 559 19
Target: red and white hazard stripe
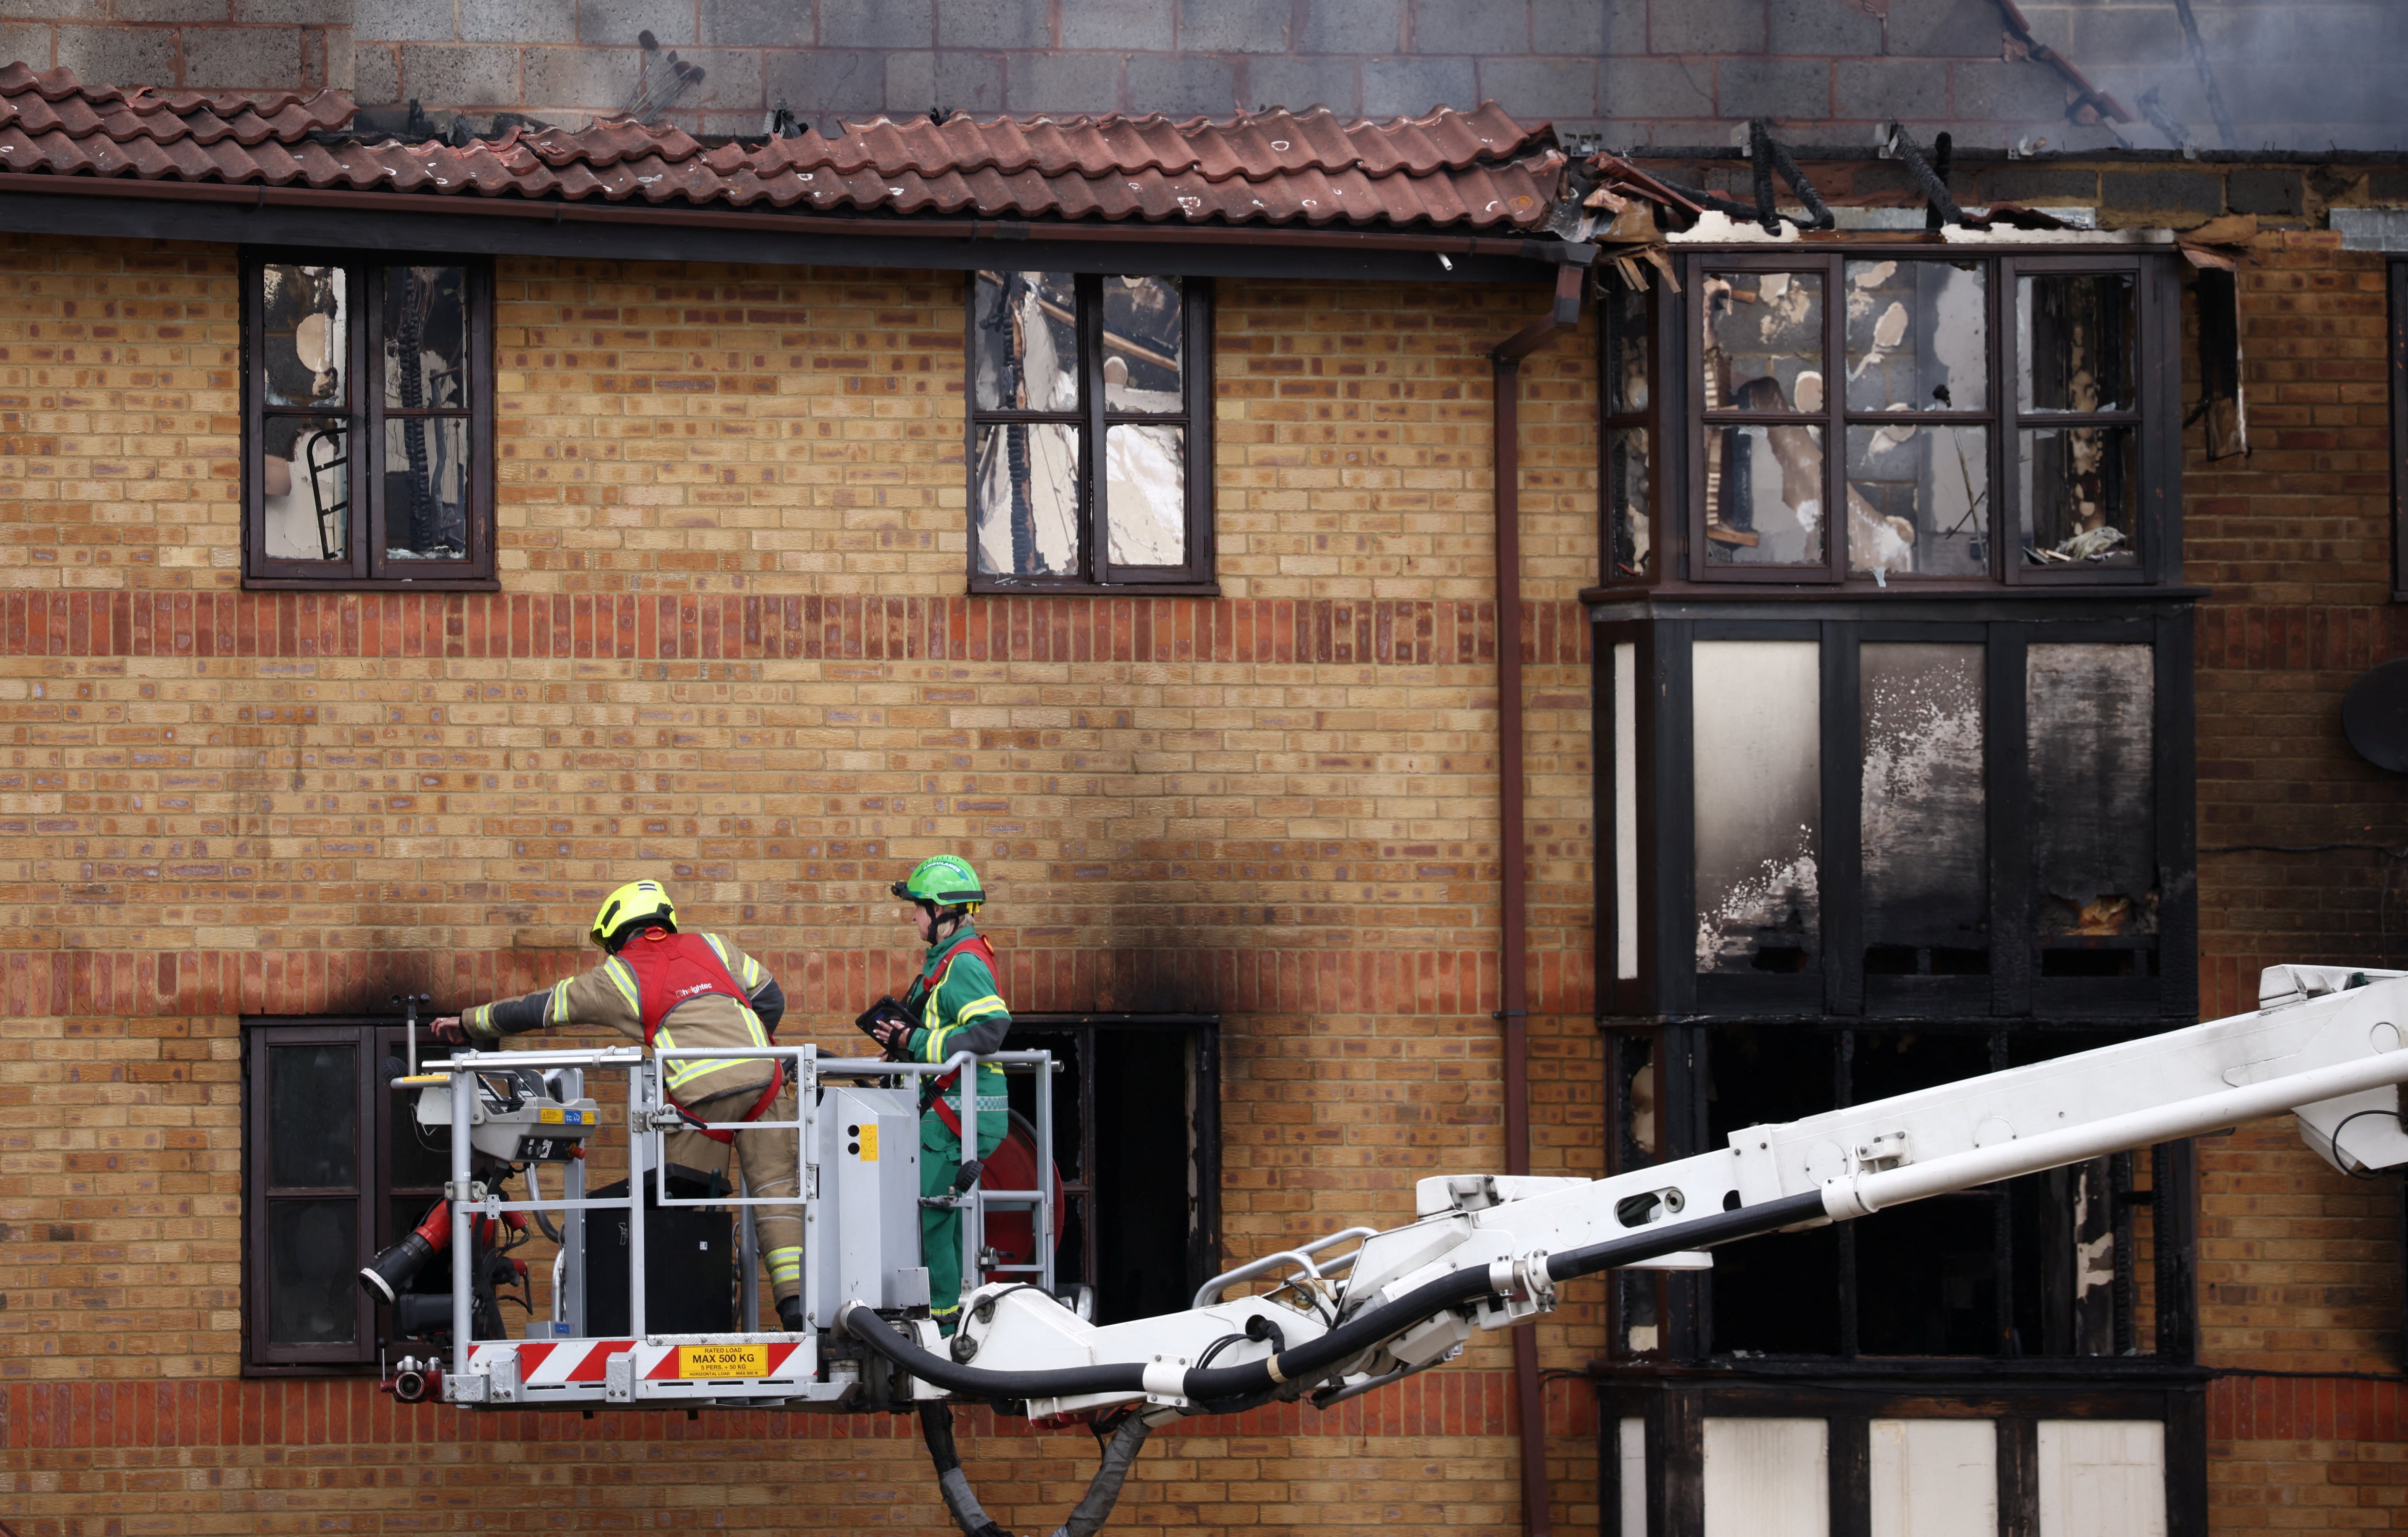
pixel 569 1360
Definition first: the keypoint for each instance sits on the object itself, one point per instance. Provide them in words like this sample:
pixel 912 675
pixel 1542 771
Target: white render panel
pixel 2103 1478
pixel 1626 811
pixel 1768 1478
pixel 1934 1477
pixel 1634 1477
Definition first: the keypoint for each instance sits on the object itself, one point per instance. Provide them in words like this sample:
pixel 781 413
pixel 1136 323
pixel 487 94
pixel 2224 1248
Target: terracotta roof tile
pixel 1479 168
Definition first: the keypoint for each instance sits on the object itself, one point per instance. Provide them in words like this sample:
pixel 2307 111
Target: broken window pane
pixel 1627 497
pixel 305 487
pixel 1764 495
pixel 2080 495
pixel 1624 314
pixel 1918 500
pixel 1764 341
pixel 1028 516
pixel 426 338
pixel 305 320
pixel 427 488
pixel 1779 1293
pixel 1756 774
pixel 2091 722
pixel 1925 845
pixel 1918 336
pixel 1927 1279
pixel 2073 332
pixel 1026 343
pixel 1144 328
pixel 1145 494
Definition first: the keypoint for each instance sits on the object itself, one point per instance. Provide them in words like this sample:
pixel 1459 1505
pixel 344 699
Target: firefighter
pixel 672 990
pixel 952 1007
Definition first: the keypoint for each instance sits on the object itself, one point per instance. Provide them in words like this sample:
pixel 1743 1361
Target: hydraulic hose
pixel 936 1428
pixel 1313 1359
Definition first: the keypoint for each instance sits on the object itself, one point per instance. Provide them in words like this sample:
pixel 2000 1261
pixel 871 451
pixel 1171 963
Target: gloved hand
pixel 886 1022
pixel 448 1030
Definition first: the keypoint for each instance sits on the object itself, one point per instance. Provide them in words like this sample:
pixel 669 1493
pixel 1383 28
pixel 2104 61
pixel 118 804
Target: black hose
pixel 864 1325
pixel 937 1430
pixel 1312 1360
pixel 1928 181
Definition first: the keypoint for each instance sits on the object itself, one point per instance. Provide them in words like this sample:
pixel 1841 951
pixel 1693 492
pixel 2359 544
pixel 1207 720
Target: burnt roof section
pixel 1478 169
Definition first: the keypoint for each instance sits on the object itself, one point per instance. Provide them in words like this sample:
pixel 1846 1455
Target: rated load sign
pixel 722 1360
pixel 714 1361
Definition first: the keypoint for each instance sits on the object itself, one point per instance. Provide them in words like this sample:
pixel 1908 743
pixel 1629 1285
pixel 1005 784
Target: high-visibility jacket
pixel 666 990
pixel 959 1009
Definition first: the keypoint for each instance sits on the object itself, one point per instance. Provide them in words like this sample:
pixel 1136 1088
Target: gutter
pixel 1513 939
pixel 1551 251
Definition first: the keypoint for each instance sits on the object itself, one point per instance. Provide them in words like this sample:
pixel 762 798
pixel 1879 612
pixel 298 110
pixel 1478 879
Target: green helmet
pixel 944 881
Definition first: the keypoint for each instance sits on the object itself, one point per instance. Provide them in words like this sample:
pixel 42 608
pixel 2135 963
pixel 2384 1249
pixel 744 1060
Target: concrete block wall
pixel 198 44
pixel 732 648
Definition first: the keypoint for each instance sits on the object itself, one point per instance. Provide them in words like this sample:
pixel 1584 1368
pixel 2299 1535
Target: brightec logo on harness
pixel 697 987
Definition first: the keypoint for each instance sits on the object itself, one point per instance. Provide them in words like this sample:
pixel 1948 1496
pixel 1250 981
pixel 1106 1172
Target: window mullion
pixel 1835 426
pixel 367 460
pixel 1091 394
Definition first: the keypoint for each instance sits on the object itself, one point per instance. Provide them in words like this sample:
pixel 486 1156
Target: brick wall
pixel 2300 1270
pixel 732 649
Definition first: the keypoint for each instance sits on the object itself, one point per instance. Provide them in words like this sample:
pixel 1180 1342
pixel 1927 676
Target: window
pixel 1136 1141
pixel 1972 419
pixel 1926 819
pixel 1090 433
pixel 368 423
pixel 333 1172
pixel 1627 368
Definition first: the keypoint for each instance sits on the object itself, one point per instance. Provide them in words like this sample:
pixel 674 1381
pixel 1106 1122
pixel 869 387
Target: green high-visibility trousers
pixel 940 1227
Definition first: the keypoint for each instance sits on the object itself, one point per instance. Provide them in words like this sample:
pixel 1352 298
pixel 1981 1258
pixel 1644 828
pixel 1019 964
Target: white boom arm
pixel 1487 1252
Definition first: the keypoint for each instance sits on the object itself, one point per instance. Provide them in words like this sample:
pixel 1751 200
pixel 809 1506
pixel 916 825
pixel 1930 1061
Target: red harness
pixel 675 968
pixel 977 943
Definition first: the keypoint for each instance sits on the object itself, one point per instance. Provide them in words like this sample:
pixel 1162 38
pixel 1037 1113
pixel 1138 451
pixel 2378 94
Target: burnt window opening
pixel 1884 418
pixel 1627 373
pixel 2066 1264
pixel 334 1171
pixel 1136 1141
pixel 1859 818
pixel 368 421
pixel 1090 426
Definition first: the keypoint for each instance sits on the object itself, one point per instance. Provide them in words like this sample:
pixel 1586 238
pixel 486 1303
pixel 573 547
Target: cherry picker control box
pixel 869 1165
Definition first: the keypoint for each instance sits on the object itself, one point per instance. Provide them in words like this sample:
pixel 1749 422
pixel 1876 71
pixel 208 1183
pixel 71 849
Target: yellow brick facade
pixel 732 649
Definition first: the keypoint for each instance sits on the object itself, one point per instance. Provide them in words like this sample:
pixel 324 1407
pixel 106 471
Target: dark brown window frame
pixel 366 566
pixel 379 1111
pixel 1191 580
pixel 2156 420
pixel 1644 421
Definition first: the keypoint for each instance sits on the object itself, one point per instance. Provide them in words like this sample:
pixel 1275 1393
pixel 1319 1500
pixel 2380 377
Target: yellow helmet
pixel 637 902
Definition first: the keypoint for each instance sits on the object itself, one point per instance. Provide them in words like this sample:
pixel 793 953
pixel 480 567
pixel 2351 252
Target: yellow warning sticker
pixel 547 1115
pixel 870 1141
pixel 722 1360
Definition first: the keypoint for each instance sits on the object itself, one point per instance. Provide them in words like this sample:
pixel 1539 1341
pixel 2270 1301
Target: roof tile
pixel 1478 168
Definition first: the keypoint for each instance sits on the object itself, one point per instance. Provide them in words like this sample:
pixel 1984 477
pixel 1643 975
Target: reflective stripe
pixel 786 1264
pixel 560 1003
pixel 980 1007
pixel 623 977
pixel 686 1069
